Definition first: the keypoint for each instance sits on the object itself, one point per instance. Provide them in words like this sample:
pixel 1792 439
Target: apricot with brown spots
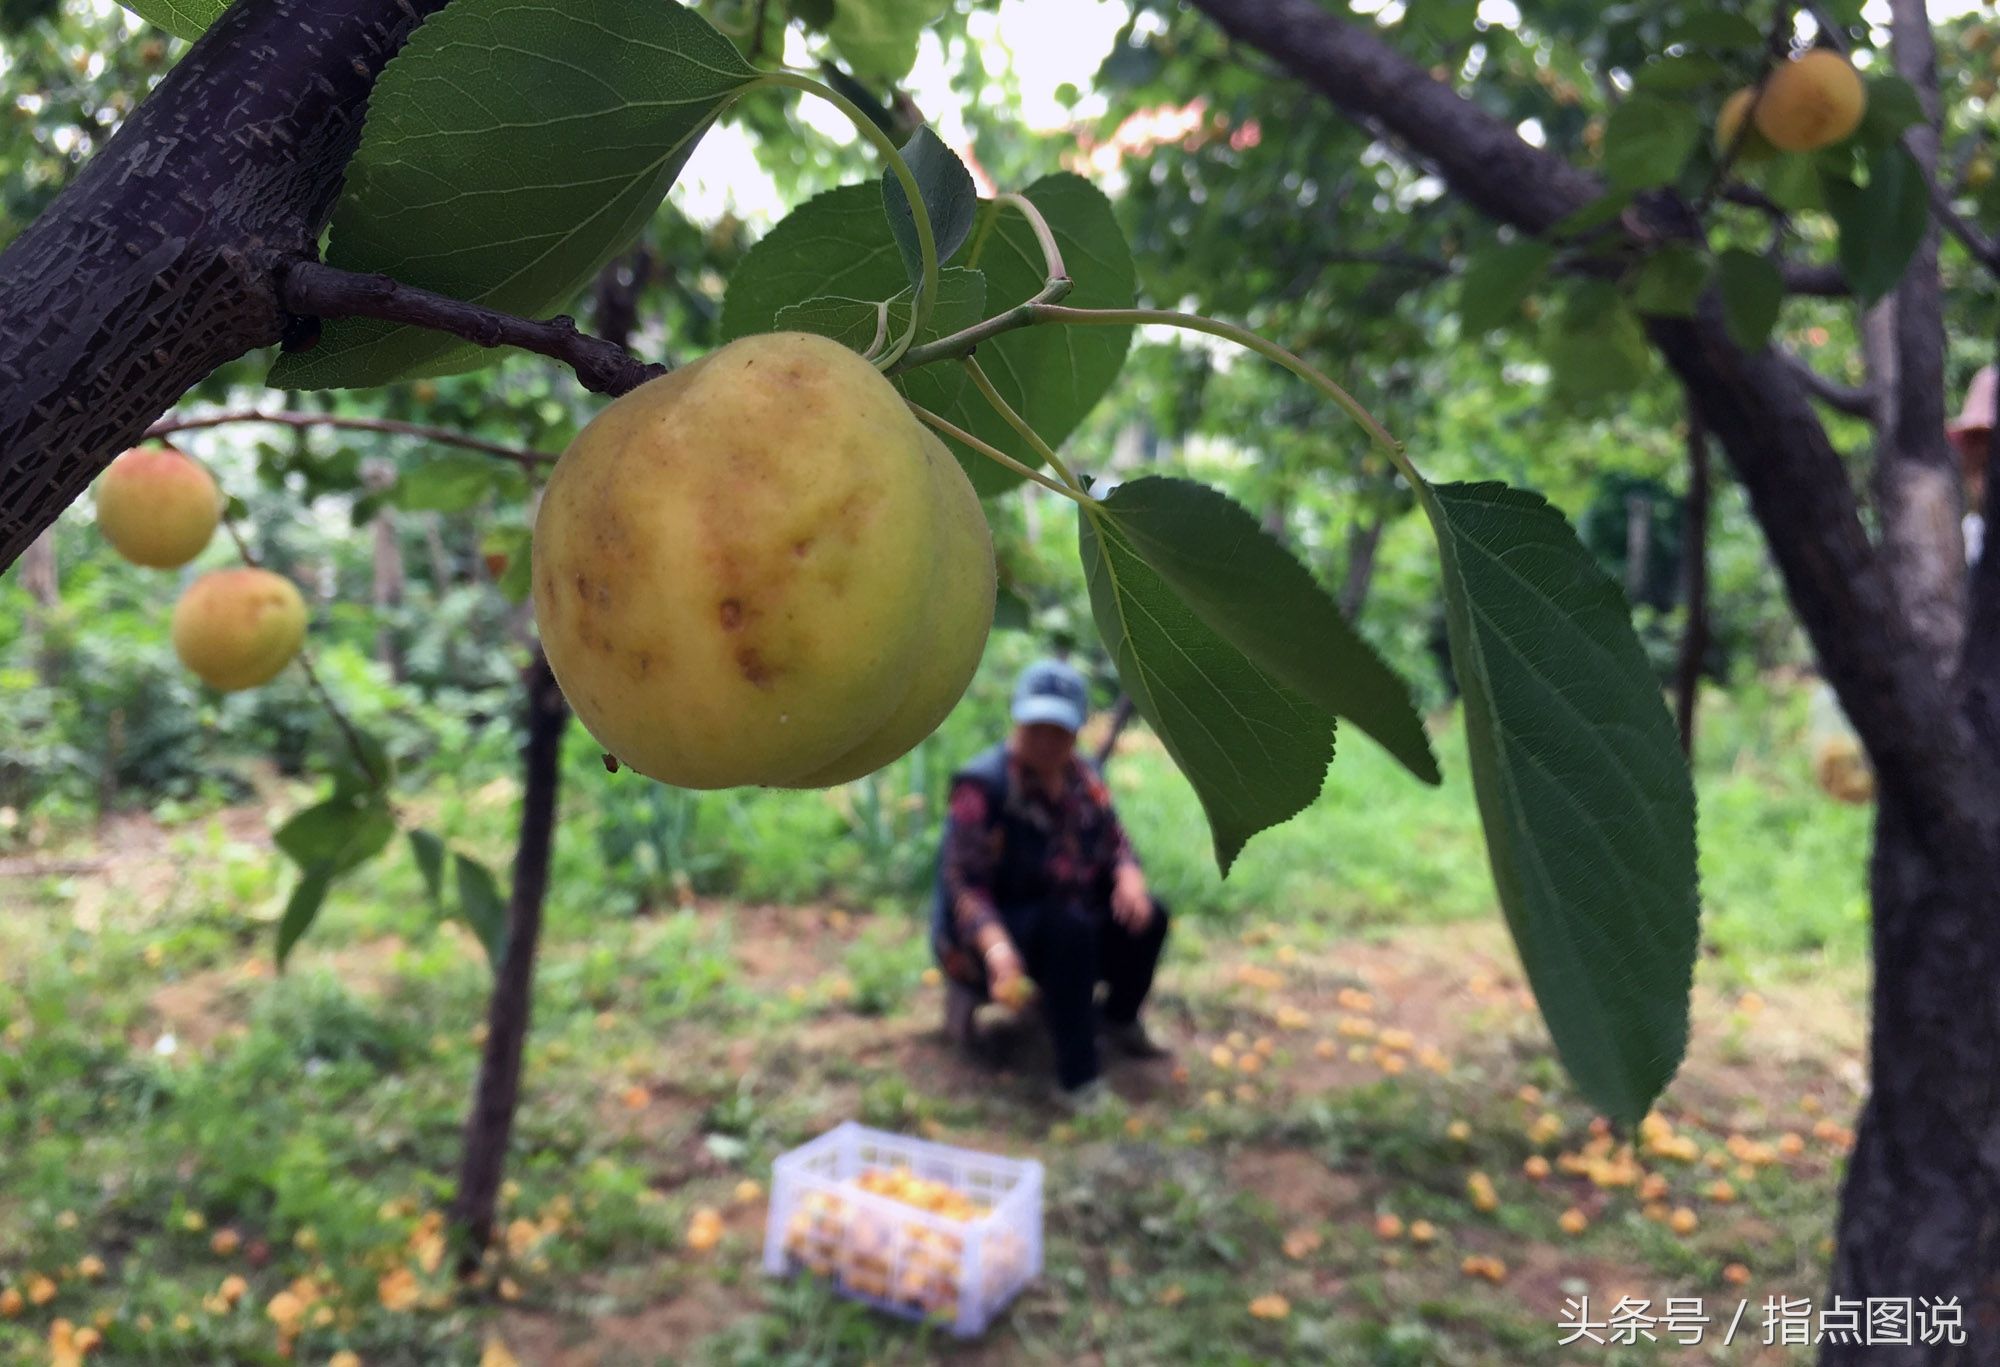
pixel 761 569
pixel 238 628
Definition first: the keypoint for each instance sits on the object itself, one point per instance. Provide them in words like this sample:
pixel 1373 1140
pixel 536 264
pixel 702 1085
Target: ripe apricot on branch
pixel 761 569
pixel 1755 147
pixel 1812 101
pixel 237 628
pixel 156 507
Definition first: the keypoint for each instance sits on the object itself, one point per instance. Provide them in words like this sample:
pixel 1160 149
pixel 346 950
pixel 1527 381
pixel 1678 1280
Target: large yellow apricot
pixel 747 571
pixel 237 628
pixel 1755 146
pixel 1812 101
pixel 960 615
pixel 156 507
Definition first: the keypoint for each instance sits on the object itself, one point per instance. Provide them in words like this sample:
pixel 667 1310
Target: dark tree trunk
pixel 1920 1208
pixel 1364 536
pixel 1694 554
pixel 160 261
pixel 490 1125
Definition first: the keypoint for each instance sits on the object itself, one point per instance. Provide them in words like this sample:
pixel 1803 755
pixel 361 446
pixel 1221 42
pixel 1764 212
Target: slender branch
pixel 994 453
pixel 984 385
pixel 1776 41
pixel 963 343
pixel 313 290
pixel 443 436
pixel 1853 400
pixel 1824 282
pixel 927 288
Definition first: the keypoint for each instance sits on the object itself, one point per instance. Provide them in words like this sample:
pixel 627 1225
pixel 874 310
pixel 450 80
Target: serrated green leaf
pixel 1497 280
pixel 1880 224
pixel 1670 281
pixel 1255 751
pixel 511 149
pixel 867 325
pixel 878 38
pixel 839 244
pixel 950 198
pixel 428 851
pixel 481 906
pixel 336 835
pixel 1752 291
pixel 1254 594
pixel 1648 140
pixel 302 908
pixel 183 18
pixel 1585 799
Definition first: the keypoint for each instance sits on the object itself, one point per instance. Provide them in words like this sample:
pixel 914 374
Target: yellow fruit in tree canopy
pixel 761 569
pixel 1812 101
pixel 237 628
pixel 156 507
pixel 1729 119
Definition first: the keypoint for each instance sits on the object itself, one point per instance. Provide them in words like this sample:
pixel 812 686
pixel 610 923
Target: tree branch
pixel 1750 402
pixel 1826 282
pixel 1853 400
pixel 313 290
pixel 443 436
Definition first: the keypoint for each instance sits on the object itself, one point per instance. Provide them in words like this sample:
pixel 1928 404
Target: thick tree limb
pixel 443 436
pixel 1918 493
pixel 1750 403
pixel 313 290
pixel 1853 400
pixel 159 262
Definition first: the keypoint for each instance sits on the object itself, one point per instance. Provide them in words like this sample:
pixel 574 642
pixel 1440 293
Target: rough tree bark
pixel 1694 554
pixel 1920 1213
pixel 162 259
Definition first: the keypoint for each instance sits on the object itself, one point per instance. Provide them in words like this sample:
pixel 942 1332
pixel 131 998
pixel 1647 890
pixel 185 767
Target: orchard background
pixel 1395 1132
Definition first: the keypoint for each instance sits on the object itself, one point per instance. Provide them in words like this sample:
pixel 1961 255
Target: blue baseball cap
pixel 1050 691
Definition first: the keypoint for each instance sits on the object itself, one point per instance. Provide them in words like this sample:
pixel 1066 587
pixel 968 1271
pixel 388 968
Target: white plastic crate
pixel 958 1269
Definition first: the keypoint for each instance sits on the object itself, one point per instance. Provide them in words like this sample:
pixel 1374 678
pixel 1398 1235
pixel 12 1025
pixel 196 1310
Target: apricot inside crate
pixel 924 1231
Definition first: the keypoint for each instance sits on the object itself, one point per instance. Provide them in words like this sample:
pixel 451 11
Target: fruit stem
pixel 994 453
pixel 1243 337
pixel 1017 422
pixel 1051 251
pixel 961 343
pixel 927 288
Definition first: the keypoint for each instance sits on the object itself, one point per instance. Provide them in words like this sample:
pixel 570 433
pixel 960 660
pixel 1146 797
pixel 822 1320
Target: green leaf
pixel 1586 801
pixel 1670 281
pixel 1497 280
pixel 518 579
pixel 481 906
pixel 336 835
pixel 454 481
pixel 1880 225
pixel 950 198
pixel 1051 375
pixel 838 244
pixel 866 325
pixel 1752 291
pixel 1680 74
pixel 302 908
pixel 1253 593
pixel 1010 611
pixel 878 38
pixel 1718 29
pixel 1595 214
pixel 1598 347
pixel 1648 140
pixel 183 18
pixel 428 851
pixel 511 149
pixel 1892 107
pixel 1255 751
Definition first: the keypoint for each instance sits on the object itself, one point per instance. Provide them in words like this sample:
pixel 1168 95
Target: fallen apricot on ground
pixel 1810 102
pixel 761 569
pixel 156 507
pixel 237 628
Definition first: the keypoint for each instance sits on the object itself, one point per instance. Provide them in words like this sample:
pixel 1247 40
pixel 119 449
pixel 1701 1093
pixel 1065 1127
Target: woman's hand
pixel 1131 904
pixel 1006 976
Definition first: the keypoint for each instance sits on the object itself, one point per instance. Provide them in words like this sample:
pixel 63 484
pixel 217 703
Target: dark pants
pixel 1068 952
